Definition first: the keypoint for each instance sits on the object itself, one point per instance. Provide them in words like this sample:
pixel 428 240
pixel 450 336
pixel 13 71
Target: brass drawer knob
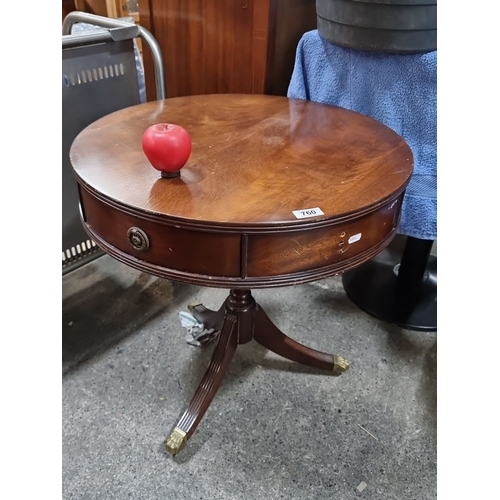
pixel 138 239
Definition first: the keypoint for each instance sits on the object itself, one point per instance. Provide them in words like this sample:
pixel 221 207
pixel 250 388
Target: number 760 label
pixel 308 212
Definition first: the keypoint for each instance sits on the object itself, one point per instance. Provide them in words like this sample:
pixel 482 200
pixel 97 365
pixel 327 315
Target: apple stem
pixel 169 175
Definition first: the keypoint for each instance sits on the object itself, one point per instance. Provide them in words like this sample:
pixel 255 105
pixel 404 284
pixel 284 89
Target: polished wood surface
pixel 255 160
pixel 295 251
pixel 228 220
pixel 242 320
pixel 197 256
pixel 226 46
pixel 209 253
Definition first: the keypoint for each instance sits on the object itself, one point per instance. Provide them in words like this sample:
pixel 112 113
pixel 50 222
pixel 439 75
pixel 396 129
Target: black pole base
pixel 398 286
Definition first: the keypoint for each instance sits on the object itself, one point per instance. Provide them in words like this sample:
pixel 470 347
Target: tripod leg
pixel 268 335
pixel 210 383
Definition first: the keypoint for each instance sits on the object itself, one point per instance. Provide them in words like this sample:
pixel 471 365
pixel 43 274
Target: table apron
pixel 229 259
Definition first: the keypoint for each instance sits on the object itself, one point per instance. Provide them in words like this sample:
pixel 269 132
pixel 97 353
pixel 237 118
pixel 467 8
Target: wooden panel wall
pixel 290 19
pixel 226 46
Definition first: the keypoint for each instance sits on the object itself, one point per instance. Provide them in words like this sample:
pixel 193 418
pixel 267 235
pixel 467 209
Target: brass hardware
pixel 138 239
pixel 340 364
pixel 176 441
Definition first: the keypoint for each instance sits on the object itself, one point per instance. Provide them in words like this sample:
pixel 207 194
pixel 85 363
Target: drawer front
pixel 297 251
pixel 198 252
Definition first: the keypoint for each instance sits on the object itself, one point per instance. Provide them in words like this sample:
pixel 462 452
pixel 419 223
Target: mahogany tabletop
pixel 255 160
pixel 276 191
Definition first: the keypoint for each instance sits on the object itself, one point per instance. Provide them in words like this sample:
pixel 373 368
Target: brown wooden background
pixel 226 46
pixel 217 46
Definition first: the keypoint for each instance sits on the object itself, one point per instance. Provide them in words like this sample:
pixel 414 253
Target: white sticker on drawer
pixel 308 212
pixel 354 238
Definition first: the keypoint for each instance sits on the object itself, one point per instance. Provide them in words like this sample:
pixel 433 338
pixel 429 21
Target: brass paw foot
pixel 340 365
pixel 176 441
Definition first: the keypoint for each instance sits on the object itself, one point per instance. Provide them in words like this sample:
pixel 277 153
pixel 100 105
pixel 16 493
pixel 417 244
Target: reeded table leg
pixel 270 336
pixel 223 353
pixel 241 320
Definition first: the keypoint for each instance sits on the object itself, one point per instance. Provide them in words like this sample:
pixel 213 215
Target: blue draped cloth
pixel 398 90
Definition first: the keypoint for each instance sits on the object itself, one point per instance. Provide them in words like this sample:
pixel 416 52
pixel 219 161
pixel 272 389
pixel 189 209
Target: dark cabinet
pixel 226 46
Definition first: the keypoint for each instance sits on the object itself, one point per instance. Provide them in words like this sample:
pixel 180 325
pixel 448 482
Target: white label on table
pixel 308 212
pixel 354 238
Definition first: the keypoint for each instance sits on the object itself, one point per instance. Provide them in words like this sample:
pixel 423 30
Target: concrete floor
pixel 275 430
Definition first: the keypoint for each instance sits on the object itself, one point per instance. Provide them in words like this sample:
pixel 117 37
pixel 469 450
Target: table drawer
pixel 198 252
pixel 297 251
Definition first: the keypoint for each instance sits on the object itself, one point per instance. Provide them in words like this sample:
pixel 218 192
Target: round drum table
pixel 276 192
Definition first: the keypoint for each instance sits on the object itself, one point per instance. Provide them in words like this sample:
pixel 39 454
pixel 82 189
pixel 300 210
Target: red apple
pixel 167 147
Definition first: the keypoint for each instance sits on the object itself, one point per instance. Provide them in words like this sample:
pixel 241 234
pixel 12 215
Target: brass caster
pixel 340 365
pixel 176 441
